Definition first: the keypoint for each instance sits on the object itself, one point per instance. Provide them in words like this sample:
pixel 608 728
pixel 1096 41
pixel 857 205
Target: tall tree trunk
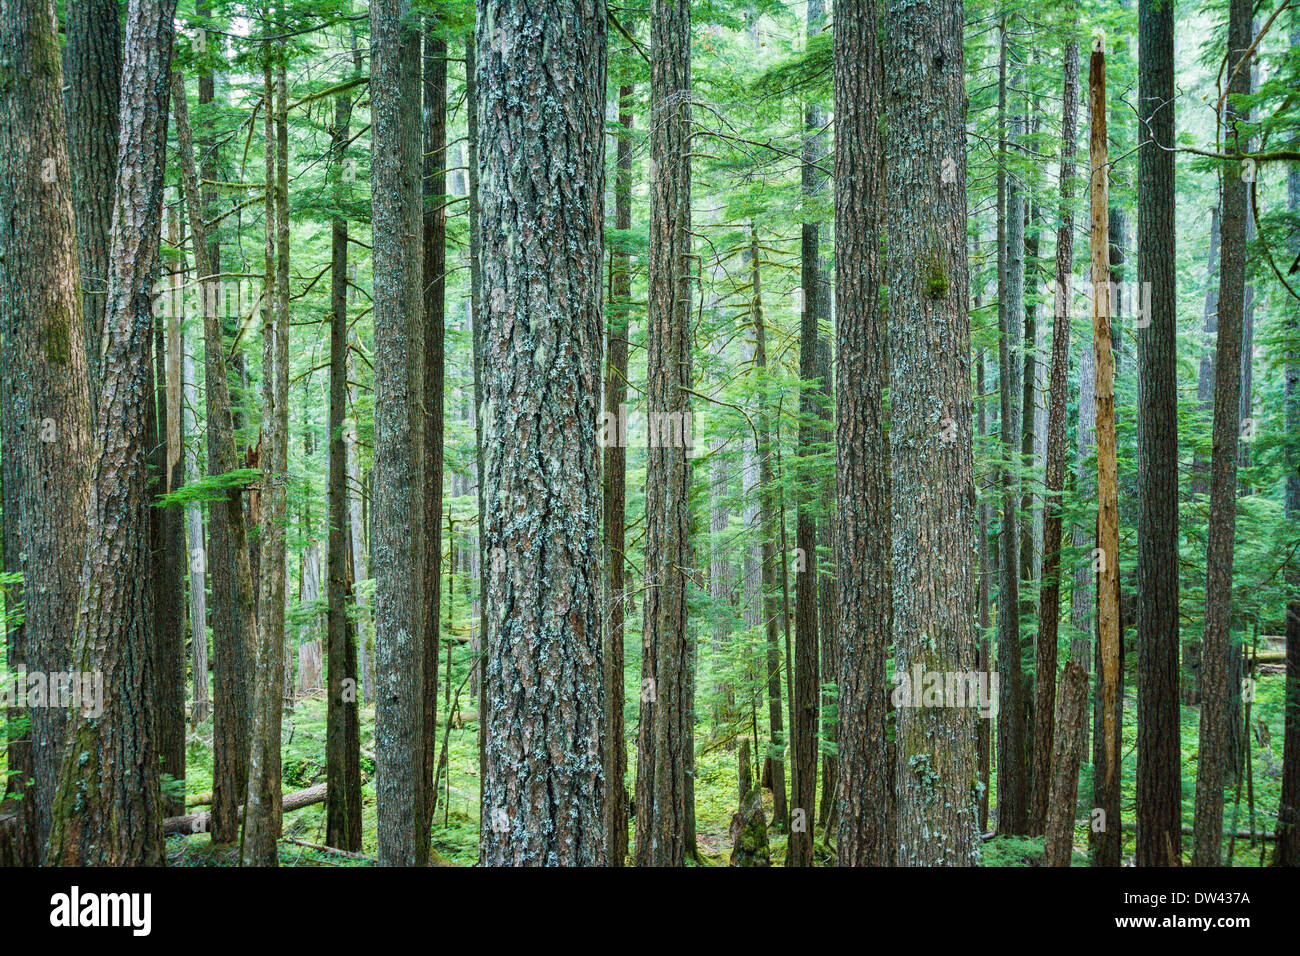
pixel 262 811
pixel 544 780
pixel 202 706
pixel 1287 852
pixel 108 810
pixel 1217 694
pixel 1106 845
pixel 44 397
pixel 1067 753
pixel 435 285
pixel 774 763
pixel 1013 771
pixel 1049 601
pixel 614 476
pixel 233 623
pixel 827 596
pixel 342 719
pixel 931 440
pixel 865 835
pixel 661 804
pixel 1159 757
pixel 93 71
pixel 806 692
pixel 168 562
pixel 397 533
pixel 479 316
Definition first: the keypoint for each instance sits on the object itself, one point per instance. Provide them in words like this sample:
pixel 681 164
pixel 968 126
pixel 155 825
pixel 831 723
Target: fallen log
pixel 200 822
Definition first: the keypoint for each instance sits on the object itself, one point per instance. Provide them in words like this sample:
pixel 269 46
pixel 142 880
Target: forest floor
pixel 455 828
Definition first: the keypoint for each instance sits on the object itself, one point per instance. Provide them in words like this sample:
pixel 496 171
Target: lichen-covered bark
pixel 865 832
pixel 931 442
pixel 44 399
pixel 1049 600
pixel 233 624
pixel 1217 692
pixel 541 109
pixel 614 478
pixel 661 803
pixel 92 68
pixel 108 809
pixel 396 510
pixel 1159 754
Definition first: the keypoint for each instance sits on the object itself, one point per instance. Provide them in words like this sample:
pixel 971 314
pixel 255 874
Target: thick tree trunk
pixel 541 91
pixel 865 834
pixel 661 804
pixel 233 623
pixel 1106 843
pixel 44 397
pixel 108 810
pixel 1159 755
pixel 1217 693
pixel 397 532
pixel 931 439
pixel 1049 601
pixel 93 72
pixel 614 493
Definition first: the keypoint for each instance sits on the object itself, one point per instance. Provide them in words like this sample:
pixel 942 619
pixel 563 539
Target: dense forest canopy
pixel 732 432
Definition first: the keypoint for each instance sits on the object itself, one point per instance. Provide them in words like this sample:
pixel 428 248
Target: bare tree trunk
pixel 1106 845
